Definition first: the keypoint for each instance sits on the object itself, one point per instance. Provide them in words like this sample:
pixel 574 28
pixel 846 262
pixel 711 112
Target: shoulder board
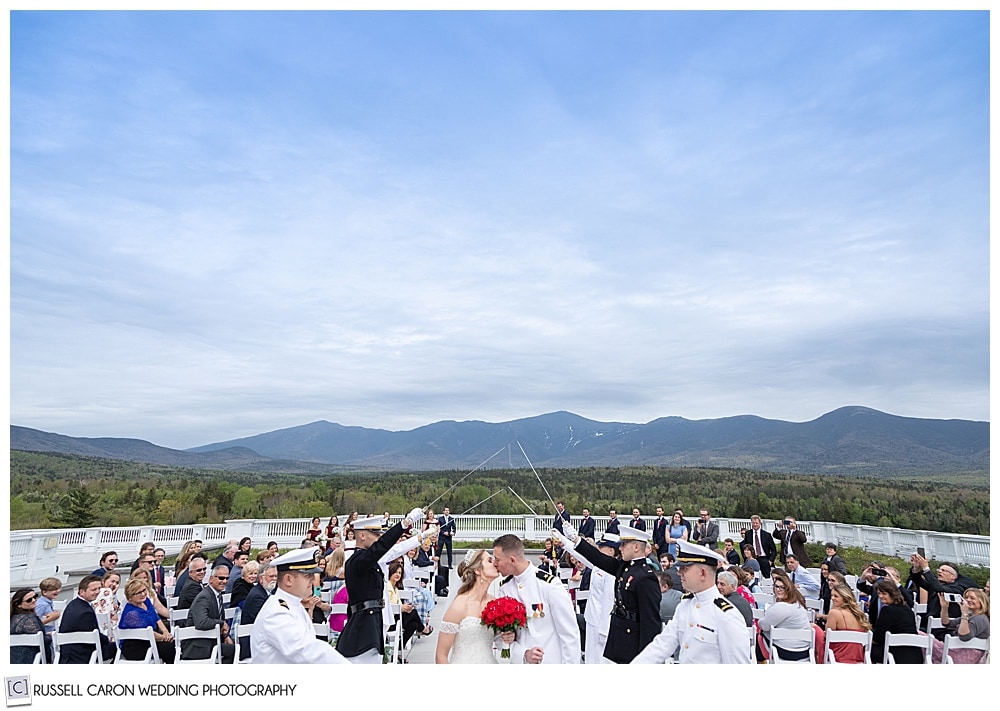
pixel 544 577
pixel 723 605
pixel 507 580
pixel 687 596
pixel 283 604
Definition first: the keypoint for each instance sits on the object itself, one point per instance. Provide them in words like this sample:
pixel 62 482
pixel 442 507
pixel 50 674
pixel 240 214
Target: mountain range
pixel 849 440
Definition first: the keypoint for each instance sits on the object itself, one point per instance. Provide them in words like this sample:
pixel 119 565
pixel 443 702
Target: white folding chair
pixel 919 608
pixel 226 597
pixel 924 642
pixel 933 623
pixel 230 613
pixel 59 605
pixel 864 638
pixel 36 640
pixel 763 599
pixel 322 630
pixel 814 603
pixel 782 634
pixel 758 613
pixel 952 642
pixel 393 637
pixel 172 602
pixel 581 596
pixel 178 616
pixel 182 634
pixel 93 638
pixel 244 631
pixel 144 634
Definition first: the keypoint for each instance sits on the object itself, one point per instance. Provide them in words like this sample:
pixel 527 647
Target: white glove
pixel 570 532
pixel 416 516
pixel 431 531
pixel 566 543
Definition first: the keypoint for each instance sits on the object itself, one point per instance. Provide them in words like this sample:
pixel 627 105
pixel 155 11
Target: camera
pixel 880 572
pixel 702 519
pixel 786 522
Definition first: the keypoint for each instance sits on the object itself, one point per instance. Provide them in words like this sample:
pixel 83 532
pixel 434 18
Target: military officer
pixel 362 640
pixel 283 631
pixel 706 628
pixel 552 635
pixel 635 614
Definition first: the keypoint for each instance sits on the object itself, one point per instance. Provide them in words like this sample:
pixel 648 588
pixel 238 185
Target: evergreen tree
pixel 77 509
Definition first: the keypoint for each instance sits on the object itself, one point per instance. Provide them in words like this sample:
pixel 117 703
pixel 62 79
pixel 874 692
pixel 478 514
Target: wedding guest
pixel 894 616
pixel 846 615
pixel 974 623
pixel 49 589
pixel 138 613
pixel 23 620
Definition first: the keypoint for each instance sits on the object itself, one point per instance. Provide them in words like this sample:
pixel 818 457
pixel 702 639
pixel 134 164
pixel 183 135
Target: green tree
pixel 77 509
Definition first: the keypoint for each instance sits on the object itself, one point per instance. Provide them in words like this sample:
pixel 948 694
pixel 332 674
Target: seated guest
pixel 946 580
pixel 788 612
pixel 243 586
pixel 146 549
pixel 727 583
pixel 107 601
pixel 139 613
pixel 410 621
pixel 79 616
pixel 824 586
pixel 196 572
pixel 801 578
pixel 183 578
pixel 744 579
pixel 240 558
pixel 23 620
pixel 208 612
pixel 846 615
pixel 752 583
pixel 182 561
pixel 750 561
pixel 49 589
pixel 974 623
pixel 729 550
pixel 669 596
pixel 894 616
pixel 108 562
pixel 143 575
pixel 267 581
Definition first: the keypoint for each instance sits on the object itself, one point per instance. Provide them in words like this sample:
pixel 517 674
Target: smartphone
pixel 952 597
pixel 921 553
pixel 317 591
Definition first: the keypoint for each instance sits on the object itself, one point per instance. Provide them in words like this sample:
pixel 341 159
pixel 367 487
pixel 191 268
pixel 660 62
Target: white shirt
pixel 557 632
pixel 703 631
pixel 283 634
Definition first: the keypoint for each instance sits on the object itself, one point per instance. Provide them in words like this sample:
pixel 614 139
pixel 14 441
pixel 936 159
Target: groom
pixel 552 635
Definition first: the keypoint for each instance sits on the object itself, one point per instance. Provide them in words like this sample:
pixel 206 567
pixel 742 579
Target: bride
pixel 461 633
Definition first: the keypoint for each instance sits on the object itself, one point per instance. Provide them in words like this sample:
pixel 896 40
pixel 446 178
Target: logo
pixel 18 690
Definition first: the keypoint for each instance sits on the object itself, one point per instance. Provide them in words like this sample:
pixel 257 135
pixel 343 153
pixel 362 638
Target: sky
pixel 225 223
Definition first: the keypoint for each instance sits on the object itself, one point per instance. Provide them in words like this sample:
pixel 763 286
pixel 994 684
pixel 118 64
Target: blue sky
pixel 226 223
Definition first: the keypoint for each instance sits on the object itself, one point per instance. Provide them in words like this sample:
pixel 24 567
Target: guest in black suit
pixel 833 560
pixel 144 550
pixel 587 526
pixel 793 541
pixel 636 521
pixel 446 532
pixel 762 545
pixel 659 533
pixel 159 574
pixel 868 583
pixel 109 559
pixel 79 616
pixel 208 612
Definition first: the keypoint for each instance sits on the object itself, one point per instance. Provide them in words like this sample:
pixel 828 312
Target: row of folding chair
pixel 36 640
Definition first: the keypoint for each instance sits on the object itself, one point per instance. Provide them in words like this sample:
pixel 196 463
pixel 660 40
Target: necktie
pixel 220 606
pixel 793 578
pixel 756 541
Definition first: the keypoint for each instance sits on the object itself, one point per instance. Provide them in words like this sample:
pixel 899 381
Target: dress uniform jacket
pixel 635 617
pixel 598 614
pixel 366 584
pixel 283 634
pixel 706 628
pixel 552 621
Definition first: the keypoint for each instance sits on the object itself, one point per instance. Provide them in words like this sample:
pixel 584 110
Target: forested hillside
pixel 62 490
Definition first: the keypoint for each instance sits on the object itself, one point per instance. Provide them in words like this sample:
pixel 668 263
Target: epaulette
pixel 507 580
pixel 544 577
pixel 723 604
pixel 687 596
pixel 283 603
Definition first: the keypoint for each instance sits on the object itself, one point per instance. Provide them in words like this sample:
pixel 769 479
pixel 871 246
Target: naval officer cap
pixel 609 539
pixel 374 524
pixel 689 554
pixel 300 560
pixel 628 534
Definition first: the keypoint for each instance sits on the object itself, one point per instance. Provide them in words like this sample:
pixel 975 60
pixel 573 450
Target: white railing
pixel 41 553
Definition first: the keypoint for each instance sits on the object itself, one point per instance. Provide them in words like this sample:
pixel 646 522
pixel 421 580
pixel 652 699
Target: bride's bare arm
pixel 448 629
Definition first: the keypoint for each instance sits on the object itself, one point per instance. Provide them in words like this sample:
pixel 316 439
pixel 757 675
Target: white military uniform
pixel 283 634
pixel 598 615
pixel 551 618
pixel 706 628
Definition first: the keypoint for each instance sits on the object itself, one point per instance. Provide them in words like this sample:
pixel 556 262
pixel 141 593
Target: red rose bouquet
pixel 504 614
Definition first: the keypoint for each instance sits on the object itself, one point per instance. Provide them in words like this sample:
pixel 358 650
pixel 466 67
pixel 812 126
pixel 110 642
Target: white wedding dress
pixel 473 642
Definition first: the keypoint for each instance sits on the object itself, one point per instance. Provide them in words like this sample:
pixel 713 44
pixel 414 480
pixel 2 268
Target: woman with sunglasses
pixel 23 620
pixel 788 612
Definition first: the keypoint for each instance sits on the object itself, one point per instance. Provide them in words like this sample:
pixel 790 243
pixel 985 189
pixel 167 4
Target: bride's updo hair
pixel 467 569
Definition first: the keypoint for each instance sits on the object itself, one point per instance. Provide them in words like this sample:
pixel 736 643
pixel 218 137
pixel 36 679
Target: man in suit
pixel 267 580
pixel 793 541
pixel 208 612
pixel 872 574
pixel 226 557
pixel 108 562
pixel 588 525
pixel 561 515
pixel 240 559
pixel 144 550
pixel 659 533
pixel 762 546
pixel 446 532
pixel 637 522
pixel 613 524
pixel 196 578
pixel 706 531
pixel 159 573
pixel 79 616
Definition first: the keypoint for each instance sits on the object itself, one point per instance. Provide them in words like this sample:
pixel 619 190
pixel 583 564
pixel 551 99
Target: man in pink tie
pixel 762 545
